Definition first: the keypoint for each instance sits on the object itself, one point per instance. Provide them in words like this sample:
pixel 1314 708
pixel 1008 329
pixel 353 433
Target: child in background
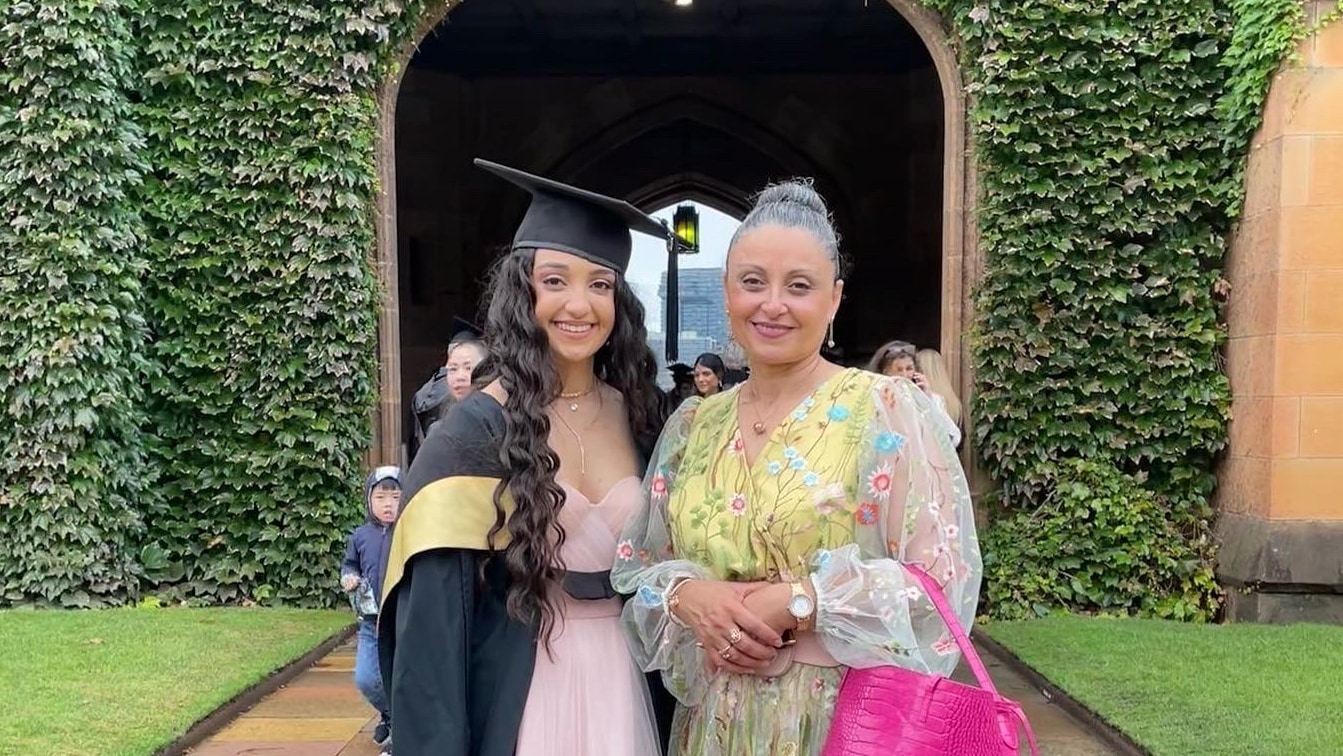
pixel 361 578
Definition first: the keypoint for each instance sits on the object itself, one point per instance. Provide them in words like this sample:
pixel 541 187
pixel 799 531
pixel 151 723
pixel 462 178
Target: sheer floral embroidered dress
pixel 858 478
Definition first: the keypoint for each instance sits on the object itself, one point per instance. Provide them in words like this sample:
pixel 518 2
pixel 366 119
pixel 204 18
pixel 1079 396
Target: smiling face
pixel 462 359
pixel 575 304
pixel 781 294
pixel 706 381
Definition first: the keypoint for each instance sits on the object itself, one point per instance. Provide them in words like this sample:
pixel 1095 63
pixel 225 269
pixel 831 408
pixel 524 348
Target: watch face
pixel 800 606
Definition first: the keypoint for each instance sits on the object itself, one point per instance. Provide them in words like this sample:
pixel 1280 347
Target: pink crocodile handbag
pixel 890 711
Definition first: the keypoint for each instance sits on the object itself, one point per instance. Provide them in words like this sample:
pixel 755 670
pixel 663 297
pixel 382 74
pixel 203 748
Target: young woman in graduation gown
pixel 500 633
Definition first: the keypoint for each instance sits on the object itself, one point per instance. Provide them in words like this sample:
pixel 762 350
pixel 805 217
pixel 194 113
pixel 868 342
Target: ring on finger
pixel 726 653
pixel 734 636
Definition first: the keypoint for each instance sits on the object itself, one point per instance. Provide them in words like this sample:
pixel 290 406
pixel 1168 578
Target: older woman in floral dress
pixel 768 557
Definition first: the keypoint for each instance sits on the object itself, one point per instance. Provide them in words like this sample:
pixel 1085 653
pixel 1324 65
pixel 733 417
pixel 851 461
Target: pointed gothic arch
pixel 961 261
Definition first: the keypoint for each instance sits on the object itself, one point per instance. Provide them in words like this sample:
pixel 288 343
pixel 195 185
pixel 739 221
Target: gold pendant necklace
pixel 759 425
pixel 575 396
pixel 582 450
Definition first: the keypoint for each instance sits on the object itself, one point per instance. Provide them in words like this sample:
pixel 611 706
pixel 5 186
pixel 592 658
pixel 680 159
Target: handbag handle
pixel 967 648
pixel 934 592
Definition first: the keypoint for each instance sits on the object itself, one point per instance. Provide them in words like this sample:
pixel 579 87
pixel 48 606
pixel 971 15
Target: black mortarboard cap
pixel 465 330
pixel 568 219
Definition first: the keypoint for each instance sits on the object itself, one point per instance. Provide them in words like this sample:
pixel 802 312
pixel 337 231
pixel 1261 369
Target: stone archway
pixel 960 260
pixel 692 187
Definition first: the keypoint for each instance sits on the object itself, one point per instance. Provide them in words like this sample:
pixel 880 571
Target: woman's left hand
pixel 769 602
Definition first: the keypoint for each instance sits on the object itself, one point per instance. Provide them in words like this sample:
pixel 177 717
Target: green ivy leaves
pixel 72 339
pixel 1111 140
pixel 1100 542
pixel 190 334
pixel 263 303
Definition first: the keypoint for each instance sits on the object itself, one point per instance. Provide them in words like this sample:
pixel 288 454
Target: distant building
pixel 703 308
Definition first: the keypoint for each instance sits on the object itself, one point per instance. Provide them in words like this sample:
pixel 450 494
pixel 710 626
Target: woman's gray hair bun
pixel 795 204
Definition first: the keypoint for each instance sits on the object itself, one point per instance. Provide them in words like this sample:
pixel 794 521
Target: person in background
pixel 683 383
pixel 894 358
pixel 361 578
pixel 735 369
pixel 933 368
pixel 899 359
pixel 709 373
pixel 450 383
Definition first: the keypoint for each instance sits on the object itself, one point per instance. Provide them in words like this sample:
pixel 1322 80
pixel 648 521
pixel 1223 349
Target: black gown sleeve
pixel 460 666
pixel 430 643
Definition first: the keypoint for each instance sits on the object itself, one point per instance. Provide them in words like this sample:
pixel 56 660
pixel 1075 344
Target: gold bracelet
pixel 671 600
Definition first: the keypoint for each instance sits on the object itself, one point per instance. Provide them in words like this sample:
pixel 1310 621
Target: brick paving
pixel 321 714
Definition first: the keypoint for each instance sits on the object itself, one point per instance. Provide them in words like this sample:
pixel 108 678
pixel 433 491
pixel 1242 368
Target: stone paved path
pixel 321 714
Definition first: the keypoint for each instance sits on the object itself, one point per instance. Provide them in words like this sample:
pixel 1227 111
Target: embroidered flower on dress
pixel 910 593
pixel 737 505
pixel 798 463
pixel 951 530
pixel 811 480
pixel 867 514
pixel 839 413
pixel 737 445
pixel 827 506
pixel 887 442
pixel 774 467
pixel 650 596
pixel 789 453
pixel 879 483
pixel 659 486
pixel 625 551
pixel 821 560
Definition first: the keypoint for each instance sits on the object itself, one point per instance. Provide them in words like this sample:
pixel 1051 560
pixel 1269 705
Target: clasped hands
pixel 739 625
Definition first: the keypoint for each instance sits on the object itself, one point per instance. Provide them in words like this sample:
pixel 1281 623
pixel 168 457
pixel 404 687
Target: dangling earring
pixel 830 340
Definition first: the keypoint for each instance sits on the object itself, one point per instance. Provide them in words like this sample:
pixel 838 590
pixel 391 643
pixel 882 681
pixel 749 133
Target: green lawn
pixel 126 682
pixel 1181 689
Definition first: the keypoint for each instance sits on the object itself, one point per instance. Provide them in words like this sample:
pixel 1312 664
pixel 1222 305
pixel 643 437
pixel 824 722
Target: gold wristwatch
pixel 801 606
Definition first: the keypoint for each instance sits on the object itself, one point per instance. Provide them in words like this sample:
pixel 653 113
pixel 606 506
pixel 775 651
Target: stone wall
pixel 1281 487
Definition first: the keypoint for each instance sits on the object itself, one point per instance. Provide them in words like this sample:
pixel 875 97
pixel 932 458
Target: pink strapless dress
pixel 588 698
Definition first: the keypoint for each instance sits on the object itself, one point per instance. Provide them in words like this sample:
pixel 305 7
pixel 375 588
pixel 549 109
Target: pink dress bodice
pixel 579 704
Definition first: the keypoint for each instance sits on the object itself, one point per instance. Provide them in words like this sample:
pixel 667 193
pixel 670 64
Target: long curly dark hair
pixel 520 359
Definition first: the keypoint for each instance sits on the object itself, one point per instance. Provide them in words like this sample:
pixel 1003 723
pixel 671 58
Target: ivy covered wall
pixel 73 476
pixel 1111 140
pixel 190 296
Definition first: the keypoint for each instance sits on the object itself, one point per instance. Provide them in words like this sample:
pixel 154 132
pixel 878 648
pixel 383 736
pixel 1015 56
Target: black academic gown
pixel 457 668
pixel 426 407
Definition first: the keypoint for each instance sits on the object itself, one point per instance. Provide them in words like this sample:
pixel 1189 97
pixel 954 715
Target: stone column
pixel 1280 491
